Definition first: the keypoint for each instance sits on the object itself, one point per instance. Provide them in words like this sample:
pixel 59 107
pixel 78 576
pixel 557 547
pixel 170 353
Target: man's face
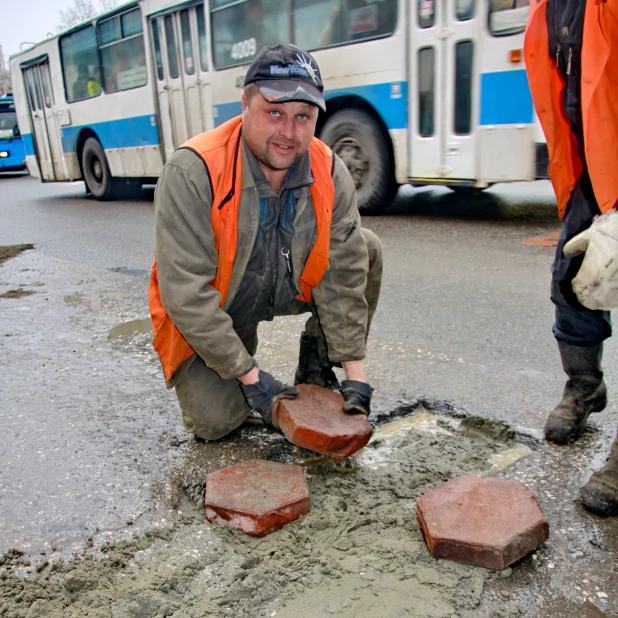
pixel 278 134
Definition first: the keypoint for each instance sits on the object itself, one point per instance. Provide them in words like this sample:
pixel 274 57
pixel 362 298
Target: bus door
pixel 47 139
pixel 182 71
pixel 443 81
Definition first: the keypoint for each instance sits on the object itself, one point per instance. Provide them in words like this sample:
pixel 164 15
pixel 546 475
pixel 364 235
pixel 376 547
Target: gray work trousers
pixel 212 407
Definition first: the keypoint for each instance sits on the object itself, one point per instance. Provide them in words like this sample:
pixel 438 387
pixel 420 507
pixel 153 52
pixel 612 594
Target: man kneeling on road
pixel 254 219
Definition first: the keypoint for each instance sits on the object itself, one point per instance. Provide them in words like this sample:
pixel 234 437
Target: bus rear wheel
pixel 361 144
pixel 99 180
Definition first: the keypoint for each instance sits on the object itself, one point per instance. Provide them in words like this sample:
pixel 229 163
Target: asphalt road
pixel 464 313
pixel 464 318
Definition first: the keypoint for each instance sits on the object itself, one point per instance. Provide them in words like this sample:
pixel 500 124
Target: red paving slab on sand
pixel 256 497
pixel 487 522
pixel 316 421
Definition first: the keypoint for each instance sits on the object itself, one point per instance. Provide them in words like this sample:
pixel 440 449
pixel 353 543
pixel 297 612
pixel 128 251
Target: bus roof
pixel 116 9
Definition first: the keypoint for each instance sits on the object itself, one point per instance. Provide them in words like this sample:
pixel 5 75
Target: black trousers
pixel 576 325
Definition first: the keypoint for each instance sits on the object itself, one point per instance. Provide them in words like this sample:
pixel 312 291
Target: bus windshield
pixel 8 125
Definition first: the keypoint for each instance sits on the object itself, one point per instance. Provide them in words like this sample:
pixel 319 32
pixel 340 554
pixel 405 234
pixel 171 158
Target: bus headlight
pixel 4 154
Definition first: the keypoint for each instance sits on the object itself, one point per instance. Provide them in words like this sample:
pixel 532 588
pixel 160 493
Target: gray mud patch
pixel 359 552
pixel 18 293
pixel 10 251
pixel 6 253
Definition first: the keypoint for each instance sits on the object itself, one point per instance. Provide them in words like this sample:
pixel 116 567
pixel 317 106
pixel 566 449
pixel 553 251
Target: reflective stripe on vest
pixel 220 150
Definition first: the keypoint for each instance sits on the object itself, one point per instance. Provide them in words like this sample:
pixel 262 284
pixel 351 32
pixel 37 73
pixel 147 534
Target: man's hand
pixel 357 397
pixel 264 396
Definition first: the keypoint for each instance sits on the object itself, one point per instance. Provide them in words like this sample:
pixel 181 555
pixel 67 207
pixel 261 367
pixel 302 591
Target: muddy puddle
pixel 131 328
pixel 358 553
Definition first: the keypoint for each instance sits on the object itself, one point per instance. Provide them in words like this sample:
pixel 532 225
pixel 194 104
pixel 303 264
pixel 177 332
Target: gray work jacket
pixel 187 262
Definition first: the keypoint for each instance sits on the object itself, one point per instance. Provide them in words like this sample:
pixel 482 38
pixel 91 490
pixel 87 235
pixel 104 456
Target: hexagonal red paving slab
pixel 316 421
pixel 256 497
pixel 487 522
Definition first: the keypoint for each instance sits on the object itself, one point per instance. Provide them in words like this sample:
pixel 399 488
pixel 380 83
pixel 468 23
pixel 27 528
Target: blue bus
pixel 12 155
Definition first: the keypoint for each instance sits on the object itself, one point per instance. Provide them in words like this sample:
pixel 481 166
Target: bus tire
pixel 360 142
pixel 96 172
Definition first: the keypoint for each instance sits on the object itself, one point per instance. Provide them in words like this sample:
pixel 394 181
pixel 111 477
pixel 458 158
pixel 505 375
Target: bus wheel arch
pixel 358 135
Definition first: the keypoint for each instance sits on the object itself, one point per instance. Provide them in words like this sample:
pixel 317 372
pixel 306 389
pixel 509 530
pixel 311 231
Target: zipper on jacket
pixel 568 71
pixel 285 252
pixel 558 49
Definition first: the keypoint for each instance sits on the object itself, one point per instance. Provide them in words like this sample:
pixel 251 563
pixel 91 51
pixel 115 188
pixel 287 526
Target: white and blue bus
pixel 12 155
pixel 418 91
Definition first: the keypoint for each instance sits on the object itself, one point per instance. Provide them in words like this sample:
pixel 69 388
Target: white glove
pixel 596 282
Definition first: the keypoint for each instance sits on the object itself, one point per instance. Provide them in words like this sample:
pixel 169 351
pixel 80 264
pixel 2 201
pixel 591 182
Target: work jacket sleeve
pixel 340 296
pixel 187 263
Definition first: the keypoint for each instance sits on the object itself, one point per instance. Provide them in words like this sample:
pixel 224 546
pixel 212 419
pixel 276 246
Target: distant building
pixel 5 76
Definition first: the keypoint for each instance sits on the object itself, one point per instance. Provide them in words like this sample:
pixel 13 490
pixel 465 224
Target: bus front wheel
pixel 99 180
pixel 360 142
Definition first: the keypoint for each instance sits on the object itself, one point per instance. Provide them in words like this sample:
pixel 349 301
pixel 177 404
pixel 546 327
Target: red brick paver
pixel 315 420
pixel 487 522
pixel 256 497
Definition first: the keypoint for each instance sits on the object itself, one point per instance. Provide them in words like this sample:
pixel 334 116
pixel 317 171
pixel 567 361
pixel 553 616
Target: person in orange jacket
pixel 256 219
pixel 571 52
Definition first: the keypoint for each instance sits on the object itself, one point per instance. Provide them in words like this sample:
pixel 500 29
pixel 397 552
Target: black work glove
pixel 357 397
pixel 264 396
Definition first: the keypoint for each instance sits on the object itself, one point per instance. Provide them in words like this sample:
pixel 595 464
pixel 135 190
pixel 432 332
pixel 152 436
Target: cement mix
pixel 358 553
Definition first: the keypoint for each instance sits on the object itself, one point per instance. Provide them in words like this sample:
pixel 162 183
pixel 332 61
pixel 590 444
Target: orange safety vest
pixel 599 100
pixel 220 150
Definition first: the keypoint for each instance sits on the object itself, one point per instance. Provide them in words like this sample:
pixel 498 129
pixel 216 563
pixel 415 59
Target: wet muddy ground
pixel 101 489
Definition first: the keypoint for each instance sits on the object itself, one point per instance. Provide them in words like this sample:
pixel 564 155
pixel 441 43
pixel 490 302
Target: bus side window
pixel 48 95
pixel 426 90
pixel 121 41
pixel 157 48
pixel 32 92
pixel 426 13
pixel 80 64
pixel 464 9
pixel 464 58
pixel 242 29
pixel 508 16
pixel 201 32
pixel 187 46
pixel 170 43
pixel 324 23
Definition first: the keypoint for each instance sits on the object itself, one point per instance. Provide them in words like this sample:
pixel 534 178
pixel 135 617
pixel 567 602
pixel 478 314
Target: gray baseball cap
pixel 287 73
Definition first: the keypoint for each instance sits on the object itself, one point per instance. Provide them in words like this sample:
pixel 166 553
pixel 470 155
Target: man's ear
pixel 245 103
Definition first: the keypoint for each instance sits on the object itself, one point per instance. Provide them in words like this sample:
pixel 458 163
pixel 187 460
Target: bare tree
pixel 81 10
pixel 107 5
pixel 5 77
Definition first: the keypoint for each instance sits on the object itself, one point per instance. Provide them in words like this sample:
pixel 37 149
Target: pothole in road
pixel 358 553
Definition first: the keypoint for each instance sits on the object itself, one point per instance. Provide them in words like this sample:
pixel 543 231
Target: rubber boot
pixel 312 368
pixel 584 392
pixel 600 494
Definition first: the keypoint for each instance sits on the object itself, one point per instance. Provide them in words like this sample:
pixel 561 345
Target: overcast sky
pixel 27 20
